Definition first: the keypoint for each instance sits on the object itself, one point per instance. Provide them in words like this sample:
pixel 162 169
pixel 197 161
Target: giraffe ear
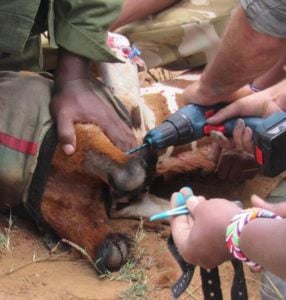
pixel 125 177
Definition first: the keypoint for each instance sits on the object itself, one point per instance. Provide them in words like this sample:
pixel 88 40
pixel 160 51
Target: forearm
pixel 71 67
pixel 244 54
pixel 271 77
pixel 136 10
pixel 264 241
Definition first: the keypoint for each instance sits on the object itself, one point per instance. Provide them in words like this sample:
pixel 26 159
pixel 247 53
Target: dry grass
pixel 133 272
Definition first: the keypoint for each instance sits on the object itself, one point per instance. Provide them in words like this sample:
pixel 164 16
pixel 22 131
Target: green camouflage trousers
pixel 186 34
pixel 24 121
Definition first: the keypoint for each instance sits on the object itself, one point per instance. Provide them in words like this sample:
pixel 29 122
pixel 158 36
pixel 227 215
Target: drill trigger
pixel 209 128
pixel 209 113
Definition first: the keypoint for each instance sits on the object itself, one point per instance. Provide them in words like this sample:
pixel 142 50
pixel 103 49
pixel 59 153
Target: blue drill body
pixel 190 123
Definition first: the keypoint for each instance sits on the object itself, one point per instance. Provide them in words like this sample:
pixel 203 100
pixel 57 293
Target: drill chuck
pixel 176 130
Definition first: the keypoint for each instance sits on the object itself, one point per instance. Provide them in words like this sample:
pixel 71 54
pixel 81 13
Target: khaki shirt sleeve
pixel 81 26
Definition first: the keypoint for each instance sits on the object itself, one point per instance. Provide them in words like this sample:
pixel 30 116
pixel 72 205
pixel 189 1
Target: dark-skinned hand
pixel 200 236
pixel 76 101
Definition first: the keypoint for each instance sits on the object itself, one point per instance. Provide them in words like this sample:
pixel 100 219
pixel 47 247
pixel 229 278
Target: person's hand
pixel 234 157
pixel 77 101
pixel 200 236
pixel 240 93
pixel 278 208
pixel 233 165
pixel 242 138
pixel 198 94
pixel 260 104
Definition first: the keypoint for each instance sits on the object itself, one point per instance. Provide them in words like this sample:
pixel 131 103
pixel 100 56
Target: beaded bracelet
pixel 237 224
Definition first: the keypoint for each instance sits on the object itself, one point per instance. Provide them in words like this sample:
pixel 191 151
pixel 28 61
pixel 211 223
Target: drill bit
pixel 139 148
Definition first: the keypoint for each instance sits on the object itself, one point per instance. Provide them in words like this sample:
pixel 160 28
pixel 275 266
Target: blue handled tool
pixel 180 210
pixel 190 123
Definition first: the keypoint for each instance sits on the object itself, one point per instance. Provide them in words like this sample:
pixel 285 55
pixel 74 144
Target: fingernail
pixel 192 200
pixel 68 149
pixel 180 199
pixel 239 123
pixel 210 120
pixel 248 130
pixel 187 190
pixel 218 136
pixel 215 135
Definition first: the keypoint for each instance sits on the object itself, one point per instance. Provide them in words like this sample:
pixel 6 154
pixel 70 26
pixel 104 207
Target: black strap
pixel 188 270
pixel 210 278
pixel 40 177
pixel 211 284
pixel 238 289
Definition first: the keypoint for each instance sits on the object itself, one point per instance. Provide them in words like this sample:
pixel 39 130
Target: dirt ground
pixel 28 271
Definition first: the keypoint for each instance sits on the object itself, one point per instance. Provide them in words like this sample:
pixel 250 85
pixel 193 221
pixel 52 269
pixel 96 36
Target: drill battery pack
pixel 270 141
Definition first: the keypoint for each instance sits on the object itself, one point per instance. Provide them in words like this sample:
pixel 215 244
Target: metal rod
pixel 139 148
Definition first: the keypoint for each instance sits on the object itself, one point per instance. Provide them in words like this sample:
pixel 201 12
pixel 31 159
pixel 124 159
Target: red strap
pixel 17 144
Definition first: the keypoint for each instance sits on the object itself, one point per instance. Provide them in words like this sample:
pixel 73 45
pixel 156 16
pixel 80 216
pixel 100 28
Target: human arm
pixel 200 239
pixel 266 80
pixel 80 32
pixel 75 100
pixel 136 10
pixel 268 249
pixel 261 104
pixel 244 54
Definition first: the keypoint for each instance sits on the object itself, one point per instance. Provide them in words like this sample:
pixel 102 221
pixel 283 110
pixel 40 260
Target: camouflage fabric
pixel 24 120
pixel 187 33
pixel 75 25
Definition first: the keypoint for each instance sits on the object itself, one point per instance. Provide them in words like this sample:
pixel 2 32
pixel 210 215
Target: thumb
pixel 251 105
pixel 225 113
pixel 66 135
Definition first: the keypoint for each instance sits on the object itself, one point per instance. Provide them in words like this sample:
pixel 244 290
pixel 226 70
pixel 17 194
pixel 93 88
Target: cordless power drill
pixel 189 124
